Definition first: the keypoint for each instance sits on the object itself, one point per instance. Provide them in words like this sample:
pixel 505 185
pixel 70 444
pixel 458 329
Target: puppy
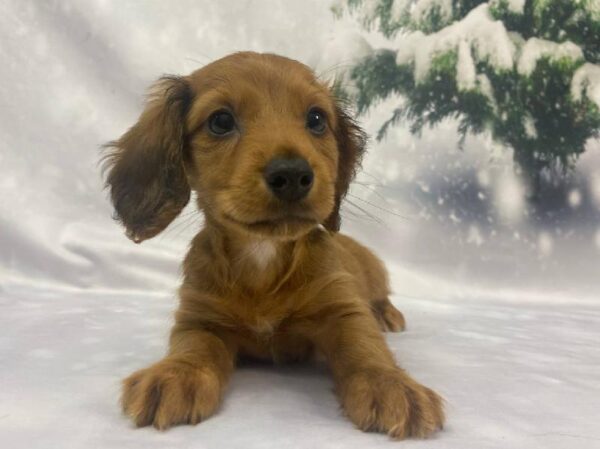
pixel 270 154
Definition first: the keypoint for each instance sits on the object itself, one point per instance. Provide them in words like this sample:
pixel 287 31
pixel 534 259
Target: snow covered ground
pixel 502 300
pixel 514 374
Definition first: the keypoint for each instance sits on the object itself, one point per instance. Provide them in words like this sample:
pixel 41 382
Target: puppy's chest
pixel 264 301
pixel 258 309
pixel 262 317
pixel 260 254
pixel 264 326
pixel 270 337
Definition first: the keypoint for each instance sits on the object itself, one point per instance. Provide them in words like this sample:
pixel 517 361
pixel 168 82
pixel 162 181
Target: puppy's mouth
pixel 279 225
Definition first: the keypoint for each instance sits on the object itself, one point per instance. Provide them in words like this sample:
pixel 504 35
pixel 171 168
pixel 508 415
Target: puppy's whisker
pixel 366 173
pixel 180 227
pixel 350 215
pixel 366 212
pixel 391 212
pixel 205 57
pixel 186 219
pixel 189 209
pixel 355 214
pixel 192 211
pixel 371 188
pixel 335 67
pixel 369 184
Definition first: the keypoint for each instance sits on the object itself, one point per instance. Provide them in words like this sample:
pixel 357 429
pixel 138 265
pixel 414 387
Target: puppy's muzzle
pixel 289 179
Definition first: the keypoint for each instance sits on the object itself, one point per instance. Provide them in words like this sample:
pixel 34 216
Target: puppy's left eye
pixel 316 121
pixel 221 123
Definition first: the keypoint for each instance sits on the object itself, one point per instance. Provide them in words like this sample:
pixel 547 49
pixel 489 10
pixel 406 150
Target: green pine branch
pixel 533 113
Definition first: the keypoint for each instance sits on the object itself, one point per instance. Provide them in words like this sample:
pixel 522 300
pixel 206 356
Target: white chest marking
pixel 262 252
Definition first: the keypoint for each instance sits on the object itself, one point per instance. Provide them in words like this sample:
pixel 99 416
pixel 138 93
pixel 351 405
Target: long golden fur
pixel 265 278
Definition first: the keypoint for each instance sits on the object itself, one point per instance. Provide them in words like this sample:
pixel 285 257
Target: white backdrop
pixel 502 300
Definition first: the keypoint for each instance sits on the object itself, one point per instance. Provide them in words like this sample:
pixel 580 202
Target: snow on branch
pixel 479 38
pixel 418 10
pixel 516 6
pixel 586 79
pixel 422 8
pixel 535 49
pixel 488 38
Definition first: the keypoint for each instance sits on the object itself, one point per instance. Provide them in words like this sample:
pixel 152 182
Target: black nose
pixel 290 179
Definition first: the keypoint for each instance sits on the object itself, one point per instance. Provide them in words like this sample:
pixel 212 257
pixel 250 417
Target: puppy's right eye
pixel 221 123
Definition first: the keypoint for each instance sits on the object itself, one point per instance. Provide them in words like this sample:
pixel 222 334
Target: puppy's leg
pixel 183 388
pixel 371 278
pixel 374 392
pixel 389 318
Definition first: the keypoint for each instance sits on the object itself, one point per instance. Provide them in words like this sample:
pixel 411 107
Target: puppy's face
pixel 264 158
pixel 262 142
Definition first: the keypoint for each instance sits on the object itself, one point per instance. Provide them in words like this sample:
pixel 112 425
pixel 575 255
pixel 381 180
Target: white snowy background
pixel 502 300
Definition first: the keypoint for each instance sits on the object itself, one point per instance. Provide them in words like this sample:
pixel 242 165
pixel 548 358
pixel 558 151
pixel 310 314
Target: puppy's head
pixel 264 144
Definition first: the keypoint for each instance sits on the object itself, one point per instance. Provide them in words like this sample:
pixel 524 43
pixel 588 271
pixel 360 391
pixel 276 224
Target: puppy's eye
pixel 315 121
pixel 221 123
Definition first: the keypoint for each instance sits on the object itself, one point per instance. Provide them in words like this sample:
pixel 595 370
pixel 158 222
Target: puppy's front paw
pixel 170 393
pixel 392 402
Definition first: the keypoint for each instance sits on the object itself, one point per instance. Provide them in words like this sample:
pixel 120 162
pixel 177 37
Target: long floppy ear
pixel 146 176
pixel 351 141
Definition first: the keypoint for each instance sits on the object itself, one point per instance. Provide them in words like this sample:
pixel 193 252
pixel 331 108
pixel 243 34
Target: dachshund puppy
pixel 270 154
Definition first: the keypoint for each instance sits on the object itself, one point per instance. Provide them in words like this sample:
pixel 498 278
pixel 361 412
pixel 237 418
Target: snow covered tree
pixel 527 71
